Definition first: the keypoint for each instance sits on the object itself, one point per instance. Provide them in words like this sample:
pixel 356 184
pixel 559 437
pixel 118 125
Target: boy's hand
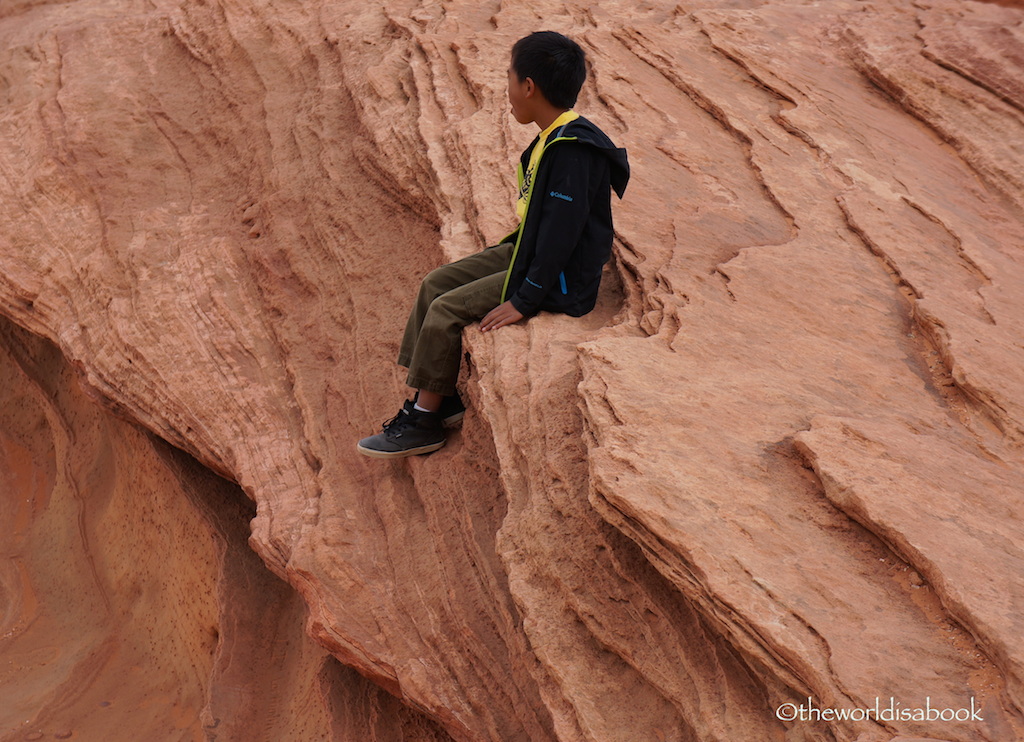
pixel 501 315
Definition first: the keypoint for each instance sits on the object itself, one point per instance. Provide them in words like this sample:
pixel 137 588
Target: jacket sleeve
pixel 561 201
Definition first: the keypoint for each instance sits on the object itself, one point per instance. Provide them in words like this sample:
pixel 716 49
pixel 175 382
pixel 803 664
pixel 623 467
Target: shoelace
pixel 397 424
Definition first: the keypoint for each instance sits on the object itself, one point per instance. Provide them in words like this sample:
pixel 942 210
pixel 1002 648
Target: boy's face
pixel 520 95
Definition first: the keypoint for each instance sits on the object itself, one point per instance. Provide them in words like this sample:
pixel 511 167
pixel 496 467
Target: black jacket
pixel 566 236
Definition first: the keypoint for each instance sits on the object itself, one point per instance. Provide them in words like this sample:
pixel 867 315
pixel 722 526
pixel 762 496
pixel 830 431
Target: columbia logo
pixel 562 196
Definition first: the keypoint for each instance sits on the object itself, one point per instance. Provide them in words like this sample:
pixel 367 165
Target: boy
pixel 551 262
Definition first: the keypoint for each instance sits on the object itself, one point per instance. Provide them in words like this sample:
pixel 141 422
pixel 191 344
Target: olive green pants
pixel 450 298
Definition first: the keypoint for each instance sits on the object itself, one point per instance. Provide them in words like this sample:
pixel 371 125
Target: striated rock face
pixel 132 607
pixel 782 459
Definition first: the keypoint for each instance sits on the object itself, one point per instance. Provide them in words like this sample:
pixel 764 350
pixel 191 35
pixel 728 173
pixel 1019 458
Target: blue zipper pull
pixel 561 281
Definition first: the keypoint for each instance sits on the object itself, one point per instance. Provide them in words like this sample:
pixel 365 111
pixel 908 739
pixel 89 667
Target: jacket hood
pixel 585 131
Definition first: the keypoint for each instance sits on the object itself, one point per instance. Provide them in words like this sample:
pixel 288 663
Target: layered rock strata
pixel 782 459
pixel 133 607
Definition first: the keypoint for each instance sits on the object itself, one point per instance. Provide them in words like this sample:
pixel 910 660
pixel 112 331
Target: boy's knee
pixel 428 291
pixel 440 309
pixel 433 284
pixel 450 312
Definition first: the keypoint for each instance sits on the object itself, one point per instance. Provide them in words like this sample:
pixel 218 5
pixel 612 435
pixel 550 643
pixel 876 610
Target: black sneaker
pixel 452 409
pixel 408 433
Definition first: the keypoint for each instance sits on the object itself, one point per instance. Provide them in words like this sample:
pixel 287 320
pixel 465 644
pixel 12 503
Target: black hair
pixel 556 64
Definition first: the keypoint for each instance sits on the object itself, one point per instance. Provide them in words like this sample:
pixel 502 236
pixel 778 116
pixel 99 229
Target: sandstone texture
pixel 133 607
pixel 780 467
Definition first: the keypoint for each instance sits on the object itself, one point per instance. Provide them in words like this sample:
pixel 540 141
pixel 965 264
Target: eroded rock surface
pixel 133 607
pixel 782 459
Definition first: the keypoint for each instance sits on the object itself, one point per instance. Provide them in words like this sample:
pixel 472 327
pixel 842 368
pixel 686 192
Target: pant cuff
pixel 444 388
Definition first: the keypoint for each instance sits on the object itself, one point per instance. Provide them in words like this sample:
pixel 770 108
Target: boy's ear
pixel 530 87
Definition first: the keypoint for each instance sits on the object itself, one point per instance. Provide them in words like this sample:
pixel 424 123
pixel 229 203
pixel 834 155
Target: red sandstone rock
pixel 781 460
pixel 132 606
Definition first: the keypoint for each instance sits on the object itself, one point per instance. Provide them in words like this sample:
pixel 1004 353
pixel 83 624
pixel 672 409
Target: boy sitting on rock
pixel 552 262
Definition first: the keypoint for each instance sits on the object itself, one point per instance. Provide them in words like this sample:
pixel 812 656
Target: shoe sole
pixel 453 420
pixel 398 454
